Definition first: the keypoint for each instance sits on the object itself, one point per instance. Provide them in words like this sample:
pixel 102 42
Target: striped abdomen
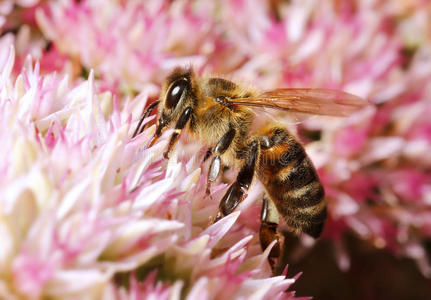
pixel 291 181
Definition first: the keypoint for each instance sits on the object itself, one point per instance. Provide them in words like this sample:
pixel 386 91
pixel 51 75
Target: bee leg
pixel 221 147
pixel 268 232
pixel 207 154
pixel 235 193
pixel 144 116
pixel 213 172
pixel 182 122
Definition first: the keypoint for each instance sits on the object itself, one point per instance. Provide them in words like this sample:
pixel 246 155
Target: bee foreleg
pixel 221 147
pixel 268 232
pixel 144 116
pixel 235 193
pixel 182 122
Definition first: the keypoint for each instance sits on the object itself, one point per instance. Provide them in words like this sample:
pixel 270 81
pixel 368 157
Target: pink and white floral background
pixel 87 212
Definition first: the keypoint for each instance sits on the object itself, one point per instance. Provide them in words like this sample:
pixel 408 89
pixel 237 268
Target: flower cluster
pixel 83 200
pixel 84 204
pixel 379 50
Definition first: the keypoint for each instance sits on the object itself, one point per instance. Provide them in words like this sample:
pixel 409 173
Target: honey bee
pixel 219 113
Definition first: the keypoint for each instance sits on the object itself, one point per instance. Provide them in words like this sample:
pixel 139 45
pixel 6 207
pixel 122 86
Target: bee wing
pixel 310 101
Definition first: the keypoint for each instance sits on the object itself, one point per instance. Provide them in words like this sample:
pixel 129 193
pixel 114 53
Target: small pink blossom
pixel 350 141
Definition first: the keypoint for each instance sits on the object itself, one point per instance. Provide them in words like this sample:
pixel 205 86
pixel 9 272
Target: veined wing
pixel 303 100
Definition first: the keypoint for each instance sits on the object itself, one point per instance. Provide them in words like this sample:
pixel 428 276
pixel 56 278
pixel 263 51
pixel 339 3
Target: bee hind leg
pixel 268 232
pixel 235 193
pixel 221 147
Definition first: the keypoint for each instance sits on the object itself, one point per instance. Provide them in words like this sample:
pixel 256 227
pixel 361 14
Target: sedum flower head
pixel 88 212
pixel 374 165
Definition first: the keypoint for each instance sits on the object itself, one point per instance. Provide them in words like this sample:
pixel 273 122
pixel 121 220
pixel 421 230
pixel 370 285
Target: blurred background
pixel 375 165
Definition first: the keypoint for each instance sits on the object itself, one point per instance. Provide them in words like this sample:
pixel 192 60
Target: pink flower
pixel 69 159
pixel 82 201
pixel 350 141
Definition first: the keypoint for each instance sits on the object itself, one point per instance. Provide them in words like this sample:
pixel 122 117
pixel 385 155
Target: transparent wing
pixel 310 101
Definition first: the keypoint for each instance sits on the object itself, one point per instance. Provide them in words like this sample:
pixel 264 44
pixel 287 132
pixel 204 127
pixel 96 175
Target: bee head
pixel 178 93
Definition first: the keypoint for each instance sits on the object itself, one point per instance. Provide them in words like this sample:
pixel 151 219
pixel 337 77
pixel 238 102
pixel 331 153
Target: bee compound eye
pixel 175 92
